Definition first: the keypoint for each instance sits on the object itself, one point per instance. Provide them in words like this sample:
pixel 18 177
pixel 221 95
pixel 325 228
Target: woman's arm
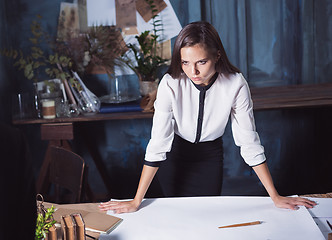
pixel 147 176
pixel 264 175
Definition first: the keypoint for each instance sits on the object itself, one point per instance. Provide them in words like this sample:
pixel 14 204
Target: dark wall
pixel 296 143
pixel 5 83
pixel 275 42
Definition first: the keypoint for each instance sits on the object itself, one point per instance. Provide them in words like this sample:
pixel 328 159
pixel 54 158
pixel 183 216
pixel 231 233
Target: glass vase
pixel 88 102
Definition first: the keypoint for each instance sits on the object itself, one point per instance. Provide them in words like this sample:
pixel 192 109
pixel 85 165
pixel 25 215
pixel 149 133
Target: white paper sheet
pixel 100 12
pixel 323 226
pixel 322 212
pixel 323 207
pixel 199 218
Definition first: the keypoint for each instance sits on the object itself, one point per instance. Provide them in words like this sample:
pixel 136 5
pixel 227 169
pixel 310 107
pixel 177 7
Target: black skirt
pixel 192 169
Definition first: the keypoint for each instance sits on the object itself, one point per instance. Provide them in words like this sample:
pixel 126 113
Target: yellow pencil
pixel 242 224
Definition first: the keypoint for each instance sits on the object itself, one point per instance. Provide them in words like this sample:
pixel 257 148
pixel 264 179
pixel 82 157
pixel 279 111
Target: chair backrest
pixel 66 172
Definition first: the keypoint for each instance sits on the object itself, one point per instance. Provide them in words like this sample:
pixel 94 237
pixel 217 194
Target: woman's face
pixel 198 64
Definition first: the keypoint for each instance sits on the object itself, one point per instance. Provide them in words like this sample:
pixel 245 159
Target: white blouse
pixel 176 111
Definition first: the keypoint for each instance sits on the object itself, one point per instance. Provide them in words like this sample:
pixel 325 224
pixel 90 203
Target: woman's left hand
pixel 293 202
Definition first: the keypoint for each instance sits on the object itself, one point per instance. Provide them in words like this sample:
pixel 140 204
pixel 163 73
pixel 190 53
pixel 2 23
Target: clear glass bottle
pixel 36 103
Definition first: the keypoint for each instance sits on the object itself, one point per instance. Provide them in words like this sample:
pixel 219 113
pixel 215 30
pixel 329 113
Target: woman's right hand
pixel 132 206
pixel 120 207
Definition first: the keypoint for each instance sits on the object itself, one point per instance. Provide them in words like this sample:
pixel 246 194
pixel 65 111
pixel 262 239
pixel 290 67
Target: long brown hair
pixel 203 33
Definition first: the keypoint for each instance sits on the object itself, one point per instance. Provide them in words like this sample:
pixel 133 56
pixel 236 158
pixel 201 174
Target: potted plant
pixel 45 219
pixel 148 57
pixel 44 223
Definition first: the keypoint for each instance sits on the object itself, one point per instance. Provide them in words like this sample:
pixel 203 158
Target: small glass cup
pixel 48 109
pixel 22 106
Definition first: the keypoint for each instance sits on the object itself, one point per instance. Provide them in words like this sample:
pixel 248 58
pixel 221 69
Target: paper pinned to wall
pixel 126 16
pixel 101 12
pixel 68 25
pixel 145 11
pixel 171 24
pixel 81 5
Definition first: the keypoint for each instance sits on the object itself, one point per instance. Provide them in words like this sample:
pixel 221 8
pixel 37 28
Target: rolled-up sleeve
pixel 244 129
pixel 162 132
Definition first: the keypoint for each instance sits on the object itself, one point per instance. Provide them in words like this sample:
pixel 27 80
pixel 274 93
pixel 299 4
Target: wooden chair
pixel 68 175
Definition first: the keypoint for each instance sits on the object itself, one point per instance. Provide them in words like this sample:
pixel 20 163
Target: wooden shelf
pixel 292 96
pixel 267 98
pixel 89 118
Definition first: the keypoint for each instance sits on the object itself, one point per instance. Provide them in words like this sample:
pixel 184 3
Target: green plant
pixel 44 222
pixel 37 60
pixel 147 56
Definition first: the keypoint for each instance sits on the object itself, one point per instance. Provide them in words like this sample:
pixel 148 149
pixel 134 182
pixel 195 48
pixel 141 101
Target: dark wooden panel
pixel 292 96
pixel 89 118
pixel 57 131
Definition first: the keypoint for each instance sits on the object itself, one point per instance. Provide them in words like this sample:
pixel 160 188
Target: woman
pixel 194 101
